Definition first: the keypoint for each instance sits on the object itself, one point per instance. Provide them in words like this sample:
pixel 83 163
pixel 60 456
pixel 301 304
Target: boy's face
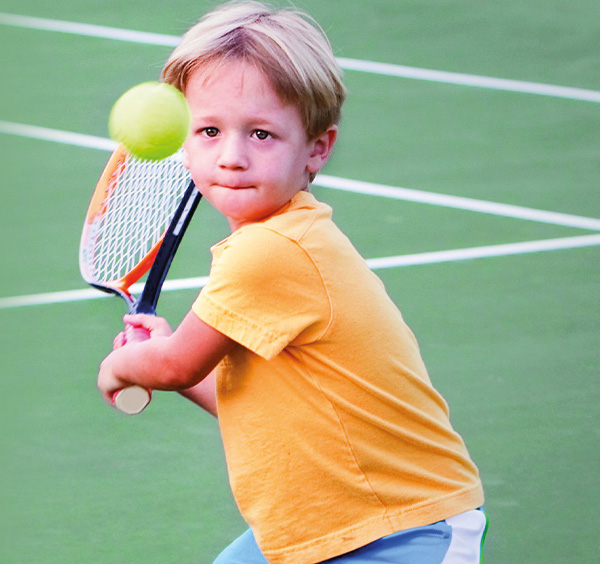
pixel 247 152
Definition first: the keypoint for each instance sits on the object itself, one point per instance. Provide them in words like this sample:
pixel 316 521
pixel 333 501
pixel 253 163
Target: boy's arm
pixel 203 394
pixel 178 361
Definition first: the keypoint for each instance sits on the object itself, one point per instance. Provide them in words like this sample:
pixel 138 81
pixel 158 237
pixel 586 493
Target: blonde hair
pixel 288 46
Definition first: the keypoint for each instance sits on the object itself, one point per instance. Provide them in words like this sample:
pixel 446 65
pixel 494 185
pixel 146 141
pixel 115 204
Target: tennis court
pixel 468 173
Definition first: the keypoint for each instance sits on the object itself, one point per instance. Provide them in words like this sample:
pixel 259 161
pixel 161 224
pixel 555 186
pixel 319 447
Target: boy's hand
pixel 108 383
pixel 141 327
pixel 138 328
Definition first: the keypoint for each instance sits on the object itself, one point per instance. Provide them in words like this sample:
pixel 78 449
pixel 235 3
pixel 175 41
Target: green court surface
pixel 500 281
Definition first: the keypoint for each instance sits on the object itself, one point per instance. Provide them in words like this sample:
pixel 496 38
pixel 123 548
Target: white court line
pixel 346 63
pixel 57 136
pixel 508 249
pixel 434 257
pixel 93 294
pixel 346 184
pixel 471 80
pixel 90 30
pixel 457 202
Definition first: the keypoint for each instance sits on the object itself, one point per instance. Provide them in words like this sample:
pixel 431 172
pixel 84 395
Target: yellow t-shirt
pixel 333 434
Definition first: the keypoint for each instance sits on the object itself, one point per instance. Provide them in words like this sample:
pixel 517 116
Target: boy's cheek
pixel 186 158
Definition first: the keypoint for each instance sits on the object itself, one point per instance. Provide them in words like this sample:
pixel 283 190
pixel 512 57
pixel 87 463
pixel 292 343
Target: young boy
pixel 337 445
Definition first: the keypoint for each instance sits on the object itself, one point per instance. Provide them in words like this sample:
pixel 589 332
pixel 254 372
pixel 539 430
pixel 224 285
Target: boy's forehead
pixel 235 75
pixel 235 79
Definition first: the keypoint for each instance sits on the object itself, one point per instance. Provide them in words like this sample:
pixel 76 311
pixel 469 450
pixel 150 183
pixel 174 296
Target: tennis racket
pixel 136 219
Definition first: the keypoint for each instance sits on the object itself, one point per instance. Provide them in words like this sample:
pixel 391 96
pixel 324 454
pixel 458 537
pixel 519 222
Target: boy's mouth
pixel 234 186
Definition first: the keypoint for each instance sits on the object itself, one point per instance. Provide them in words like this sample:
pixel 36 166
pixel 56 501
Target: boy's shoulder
pixel 282 246
pixel 294 231
pixel 301 214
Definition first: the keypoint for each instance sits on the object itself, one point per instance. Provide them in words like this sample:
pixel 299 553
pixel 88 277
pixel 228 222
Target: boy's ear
pixel 321 149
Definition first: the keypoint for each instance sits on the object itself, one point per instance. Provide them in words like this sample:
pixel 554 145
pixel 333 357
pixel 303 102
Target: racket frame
pixel 166 251
pixel 116 166
pixel 157 260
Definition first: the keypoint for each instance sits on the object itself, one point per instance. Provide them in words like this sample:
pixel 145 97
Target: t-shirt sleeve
pixel 264 292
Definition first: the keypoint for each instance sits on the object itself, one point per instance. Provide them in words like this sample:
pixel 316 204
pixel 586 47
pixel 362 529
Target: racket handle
pixel 132 400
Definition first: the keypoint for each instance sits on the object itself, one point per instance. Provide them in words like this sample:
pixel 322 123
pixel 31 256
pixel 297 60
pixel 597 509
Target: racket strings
pixel 141 198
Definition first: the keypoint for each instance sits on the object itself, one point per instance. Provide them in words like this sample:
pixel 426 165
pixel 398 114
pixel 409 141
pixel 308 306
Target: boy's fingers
pixel 154 325
pixel 136 333
pixel 119 340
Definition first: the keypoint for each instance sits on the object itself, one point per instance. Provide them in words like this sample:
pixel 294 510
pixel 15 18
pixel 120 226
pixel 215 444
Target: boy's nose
pixel 233 153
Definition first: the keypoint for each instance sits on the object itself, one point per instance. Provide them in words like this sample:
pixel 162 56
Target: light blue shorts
pixel 458 540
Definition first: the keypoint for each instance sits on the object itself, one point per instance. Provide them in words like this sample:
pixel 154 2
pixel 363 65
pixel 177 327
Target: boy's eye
pixel 210 131
pixel 261 134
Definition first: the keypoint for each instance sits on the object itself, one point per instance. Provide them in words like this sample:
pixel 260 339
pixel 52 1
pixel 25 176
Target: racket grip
pixel 132 400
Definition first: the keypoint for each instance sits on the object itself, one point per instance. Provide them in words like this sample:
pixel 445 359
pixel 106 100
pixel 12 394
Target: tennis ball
pixel 151 119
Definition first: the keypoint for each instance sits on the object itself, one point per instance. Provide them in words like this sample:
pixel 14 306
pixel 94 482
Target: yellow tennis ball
pixel 151 119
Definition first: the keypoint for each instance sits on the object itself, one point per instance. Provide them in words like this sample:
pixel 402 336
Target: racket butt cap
pixel 132 400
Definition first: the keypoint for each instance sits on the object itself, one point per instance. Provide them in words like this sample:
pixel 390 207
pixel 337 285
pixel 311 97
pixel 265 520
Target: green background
pixel 512 342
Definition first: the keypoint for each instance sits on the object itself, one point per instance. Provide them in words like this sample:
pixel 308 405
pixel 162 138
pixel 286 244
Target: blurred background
pixel 481 197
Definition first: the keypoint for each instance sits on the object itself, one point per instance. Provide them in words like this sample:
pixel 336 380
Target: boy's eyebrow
pixel 248 121
pixel 261 120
